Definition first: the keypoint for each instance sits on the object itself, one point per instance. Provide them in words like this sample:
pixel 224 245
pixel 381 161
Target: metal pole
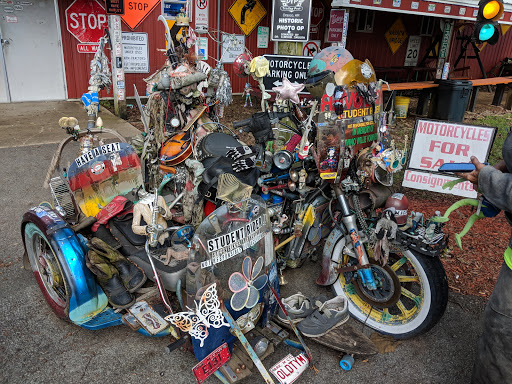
pixel 218 29
pixel 116 51
pixel 3 66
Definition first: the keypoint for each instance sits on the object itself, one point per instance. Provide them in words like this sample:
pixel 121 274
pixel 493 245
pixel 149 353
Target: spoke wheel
pixel 47 270
pixel 411 295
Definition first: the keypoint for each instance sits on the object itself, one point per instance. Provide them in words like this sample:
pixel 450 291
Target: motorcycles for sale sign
pixel 86 20
pixel 439 142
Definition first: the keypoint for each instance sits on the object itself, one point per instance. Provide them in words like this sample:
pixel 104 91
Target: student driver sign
pixel 439 142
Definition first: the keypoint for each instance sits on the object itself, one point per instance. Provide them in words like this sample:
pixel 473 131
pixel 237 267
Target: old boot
pixel 132 276
pixel 109 280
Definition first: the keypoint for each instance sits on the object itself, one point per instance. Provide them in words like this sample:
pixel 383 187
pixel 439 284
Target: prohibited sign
pixel 311 48
pixel 202 4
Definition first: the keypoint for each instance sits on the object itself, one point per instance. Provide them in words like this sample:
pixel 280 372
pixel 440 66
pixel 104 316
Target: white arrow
pixel 278 83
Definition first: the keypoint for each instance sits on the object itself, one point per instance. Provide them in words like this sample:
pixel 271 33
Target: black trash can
pixel 450 100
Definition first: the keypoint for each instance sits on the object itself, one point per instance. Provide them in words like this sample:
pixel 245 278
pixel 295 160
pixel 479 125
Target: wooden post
pixel 116 58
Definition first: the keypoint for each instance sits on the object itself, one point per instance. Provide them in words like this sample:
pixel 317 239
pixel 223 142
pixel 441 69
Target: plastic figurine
pixel 247 93
pixel 331 163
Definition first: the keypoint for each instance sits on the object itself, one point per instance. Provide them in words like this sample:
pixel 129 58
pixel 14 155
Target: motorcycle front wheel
pixel 411 297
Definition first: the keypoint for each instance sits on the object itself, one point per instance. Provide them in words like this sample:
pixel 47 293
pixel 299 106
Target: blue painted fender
pixel 86 298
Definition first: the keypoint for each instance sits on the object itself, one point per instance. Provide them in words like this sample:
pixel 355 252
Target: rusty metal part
pixel 388 291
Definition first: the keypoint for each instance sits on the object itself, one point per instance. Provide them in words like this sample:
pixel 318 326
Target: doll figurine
pixel 247 93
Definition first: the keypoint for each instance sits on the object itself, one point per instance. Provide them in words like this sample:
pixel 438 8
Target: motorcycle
pixel 219 230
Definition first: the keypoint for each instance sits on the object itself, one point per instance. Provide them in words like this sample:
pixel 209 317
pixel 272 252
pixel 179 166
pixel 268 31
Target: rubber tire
pixel 437 292
pixel 60 309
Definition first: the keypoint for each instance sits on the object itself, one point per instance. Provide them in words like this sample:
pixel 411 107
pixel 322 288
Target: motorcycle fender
pixel 87 299
pixel 330 261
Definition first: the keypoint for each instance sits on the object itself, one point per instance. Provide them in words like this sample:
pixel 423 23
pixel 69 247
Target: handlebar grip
pixel 282 115
pixel 242 123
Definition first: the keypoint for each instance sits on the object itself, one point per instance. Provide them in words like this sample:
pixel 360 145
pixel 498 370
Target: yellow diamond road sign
pixel 247 14
pixel 396 35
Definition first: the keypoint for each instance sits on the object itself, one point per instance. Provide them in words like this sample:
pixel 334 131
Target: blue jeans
pixel 493 362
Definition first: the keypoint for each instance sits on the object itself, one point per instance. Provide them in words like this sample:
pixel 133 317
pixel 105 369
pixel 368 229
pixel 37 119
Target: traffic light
pixel 486 27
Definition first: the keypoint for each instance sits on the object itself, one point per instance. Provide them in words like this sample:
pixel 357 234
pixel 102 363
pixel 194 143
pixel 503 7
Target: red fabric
pixel 115 207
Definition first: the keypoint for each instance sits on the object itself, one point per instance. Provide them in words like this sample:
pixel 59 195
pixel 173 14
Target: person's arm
pixel 495 185
pixel 501 166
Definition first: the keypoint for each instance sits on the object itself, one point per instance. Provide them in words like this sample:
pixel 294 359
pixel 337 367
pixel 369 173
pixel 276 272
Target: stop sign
pixel 317 13
pixel 86 20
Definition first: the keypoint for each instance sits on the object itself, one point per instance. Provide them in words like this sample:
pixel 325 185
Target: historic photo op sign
pixel 290 20
pixel 439 142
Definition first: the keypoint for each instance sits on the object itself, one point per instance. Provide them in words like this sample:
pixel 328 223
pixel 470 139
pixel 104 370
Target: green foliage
pixel 503 123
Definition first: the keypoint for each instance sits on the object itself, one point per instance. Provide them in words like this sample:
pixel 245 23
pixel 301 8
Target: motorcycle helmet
pixel 354 72
pixel 400 203
pixel 330 58
pixel 316 84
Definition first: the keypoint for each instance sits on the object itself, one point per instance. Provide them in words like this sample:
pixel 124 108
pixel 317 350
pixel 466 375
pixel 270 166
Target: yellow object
pixel 396 35
pixel 252 16
pixel 355 71
pixel 401 106
pixel 492 10
pixel 260 66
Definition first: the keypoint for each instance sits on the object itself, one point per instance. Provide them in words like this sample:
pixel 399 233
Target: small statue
pixel 331 162
pixel 386 231
pixel 143 209
pixel 247 93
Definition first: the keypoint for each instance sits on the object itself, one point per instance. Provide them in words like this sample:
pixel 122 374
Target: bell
pixel 282 280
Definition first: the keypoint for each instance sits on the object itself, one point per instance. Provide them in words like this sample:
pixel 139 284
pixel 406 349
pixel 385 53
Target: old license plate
pixel 211 363
pixel 290 368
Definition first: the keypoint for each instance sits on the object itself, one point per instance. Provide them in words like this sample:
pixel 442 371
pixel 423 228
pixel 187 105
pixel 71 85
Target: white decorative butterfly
pixel 206 314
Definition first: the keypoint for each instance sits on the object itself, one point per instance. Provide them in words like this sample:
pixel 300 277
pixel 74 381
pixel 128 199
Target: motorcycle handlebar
pixel 242 123
pixel 272 116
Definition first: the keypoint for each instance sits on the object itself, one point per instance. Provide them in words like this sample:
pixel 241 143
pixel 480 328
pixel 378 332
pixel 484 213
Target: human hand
pixel 473 175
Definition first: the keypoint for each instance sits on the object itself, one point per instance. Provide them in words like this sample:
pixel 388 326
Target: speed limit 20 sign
pixel 413 50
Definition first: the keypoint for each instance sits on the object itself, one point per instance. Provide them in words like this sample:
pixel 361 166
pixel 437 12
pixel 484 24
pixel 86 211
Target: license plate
pixel 290 368
pixel 211 363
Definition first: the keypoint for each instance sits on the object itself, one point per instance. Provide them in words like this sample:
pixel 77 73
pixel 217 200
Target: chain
pixel 370 235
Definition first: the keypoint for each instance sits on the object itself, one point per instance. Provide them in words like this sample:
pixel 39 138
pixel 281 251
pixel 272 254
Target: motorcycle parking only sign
pixel 294 68
pixel 291 20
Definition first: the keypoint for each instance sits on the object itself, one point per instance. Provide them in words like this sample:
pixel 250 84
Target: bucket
pixel 401 106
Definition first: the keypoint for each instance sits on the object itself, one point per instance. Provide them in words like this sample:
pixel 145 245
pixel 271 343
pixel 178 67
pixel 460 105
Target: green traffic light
pixel 486 32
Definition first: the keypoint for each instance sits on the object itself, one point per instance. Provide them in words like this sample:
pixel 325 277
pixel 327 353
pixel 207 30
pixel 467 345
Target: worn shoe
pixel 331 314
pixel 116 292
pixel 299 307
pixel 132 276
pixel 109 280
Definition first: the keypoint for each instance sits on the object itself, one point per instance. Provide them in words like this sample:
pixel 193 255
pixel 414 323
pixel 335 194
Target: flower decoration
pixel 246 285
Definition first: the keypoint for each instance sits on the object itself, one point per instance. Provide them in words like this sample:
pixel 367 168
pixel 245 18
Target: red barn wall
pixel 491 55
pixel 77 64
pixel 373 46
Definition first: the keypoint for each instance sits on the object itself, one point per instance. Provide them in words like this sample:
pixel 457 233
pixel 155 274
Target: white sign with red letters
pixel 439 142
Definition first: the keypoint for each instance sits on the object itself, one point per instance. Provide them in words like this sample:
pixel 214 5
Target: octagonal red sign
pixel 317 13
pixel 86 20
